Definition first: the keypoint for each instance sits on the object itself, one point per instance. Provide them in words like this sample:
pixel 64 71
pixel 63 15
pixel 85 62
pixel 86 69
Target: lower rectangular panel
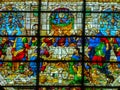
pixel 92 88
pixel 60 88
pixel 56 88
pixel 60 73
pixel 101 74
pixel 18 74
pixel 20 88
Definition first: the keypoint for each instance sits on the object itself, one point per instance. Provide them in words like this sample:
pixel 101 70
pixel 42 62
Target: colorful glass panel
pixel 61 24
pixel 18 48
pixel 51 5
pixel 102 5
pixel 101 74
pixel 18 73
pixel 102 24
pixel 59 73
pixel 19 5
pixel 104 49
pixel 59 44
pixel 61 48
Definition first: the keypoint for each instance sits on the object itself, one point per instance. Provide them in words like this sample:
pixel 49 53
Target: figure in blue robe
pixel 66 43
pixel 93 42
pixel 33 65
pixel 117 46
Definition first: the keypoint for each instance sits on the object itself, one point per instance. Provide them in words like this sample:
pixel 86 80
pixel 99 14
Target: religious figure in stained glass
pixel 61 48
pixel 106 23
pixel 61 23
pixel 59 44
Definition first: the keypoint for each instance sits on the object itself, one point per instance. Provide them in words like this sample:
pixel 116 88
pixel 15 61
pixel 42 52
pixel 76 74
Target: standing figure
pixel 100 51
pixel 92 44
pixel 33 55
pixel 3 48
pixel 33 65
pixel 117 49
pixel 19 51
pixel 110 44
pixel 99 57
pixel 76 55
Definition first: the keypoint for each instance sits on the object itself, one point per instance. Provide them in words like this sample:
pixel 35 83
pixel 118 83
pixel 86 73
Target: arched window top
pixel 61 9
pixel 61 19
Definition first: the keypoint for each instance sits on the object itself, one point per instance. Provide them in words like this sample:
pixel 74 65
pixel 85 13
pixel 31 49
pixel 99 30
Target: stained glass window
pixel 59 44
pixel 61 24
pixel 61 48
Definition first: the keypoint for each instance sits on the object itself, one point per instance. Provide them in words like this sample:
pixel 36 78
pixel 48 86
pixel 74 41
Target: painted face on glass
pixel 61 15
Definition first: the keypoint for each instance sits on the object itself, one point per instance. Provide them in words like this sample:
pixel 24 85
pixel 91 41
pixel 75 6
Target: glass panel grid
pixel 50 57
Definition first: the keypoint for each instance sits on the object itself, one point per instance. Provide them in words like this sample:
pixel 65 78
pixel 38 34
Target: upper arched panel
pixel 63 22
pixel 51 5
